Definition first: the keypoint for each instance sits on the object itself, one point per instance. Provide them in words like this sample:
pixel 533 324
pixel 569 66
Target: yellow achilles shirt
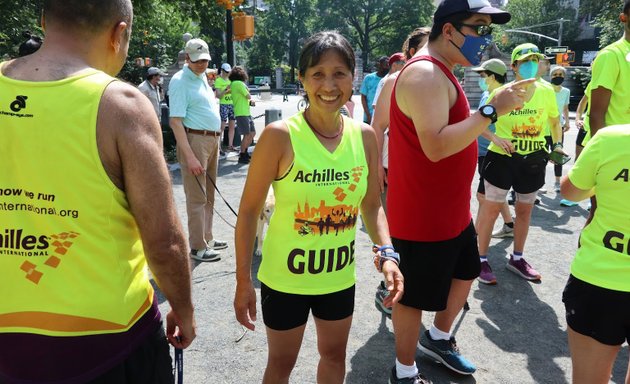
pixel 309 246
pixel 603 258
pixel 611 70
pixel 525 127
pixel 71 256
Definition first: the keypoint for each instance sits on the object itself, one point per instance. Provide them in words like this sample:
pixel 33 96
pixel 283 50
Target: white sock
pixel 436 334
pixel 516 256
pixel 403 371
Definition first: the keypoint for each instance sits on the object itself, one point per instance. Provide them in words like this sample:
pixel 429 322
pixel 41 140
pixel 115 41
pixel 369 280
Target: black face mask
pixel 557 80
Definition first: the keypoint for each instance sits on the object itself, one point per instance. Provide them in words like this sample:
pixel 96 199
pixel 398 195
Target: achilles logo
pixel 18 104
pixel 17 240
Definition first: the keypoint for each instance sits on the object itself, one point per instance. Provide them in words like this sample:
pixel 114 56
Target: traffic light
pixel 243 26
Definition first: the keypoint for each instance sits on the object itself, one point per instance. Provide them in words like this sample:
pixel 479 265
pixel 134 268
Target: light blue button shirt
pixel 192 99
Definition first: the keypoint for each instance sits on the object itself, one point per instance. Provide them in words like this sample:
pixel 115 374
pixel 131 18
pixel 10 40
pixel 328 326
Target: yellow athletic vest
pixel 309 246
pixel 71 258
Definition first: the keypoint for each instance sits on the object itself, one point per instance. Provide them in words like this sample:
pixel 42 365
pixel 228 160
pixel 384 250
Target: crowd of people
pixel 415 152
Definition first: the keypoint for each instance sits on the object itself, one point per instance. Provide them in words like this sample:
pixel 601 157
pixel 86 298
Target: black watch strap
pixel 489 111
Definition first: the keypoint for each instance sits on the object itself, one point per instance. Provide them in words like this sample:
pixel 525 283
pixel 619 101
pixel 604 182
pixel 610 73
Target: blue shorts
pixel 227 112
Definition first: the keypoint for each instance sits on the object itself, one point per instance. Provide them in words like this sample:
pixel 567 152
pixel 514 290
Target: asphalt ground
pixel 515 331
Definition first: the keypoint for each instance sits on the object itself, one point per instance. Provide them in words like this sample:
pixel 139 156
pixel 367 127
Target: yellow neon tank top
pixel 309 246
pixel 70 252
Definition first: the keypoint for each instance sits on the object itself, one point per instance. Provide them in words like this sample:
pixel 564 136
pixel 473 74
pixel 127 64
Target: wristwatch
pixel 489 111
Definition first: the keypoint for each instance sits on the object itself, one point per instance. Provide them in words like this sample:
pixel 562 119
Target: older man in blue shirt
pixel 194 118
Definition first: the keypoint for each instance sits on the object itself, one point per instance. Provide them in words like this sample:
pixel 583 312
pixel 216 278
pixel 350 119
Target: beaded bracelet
pixel 383 253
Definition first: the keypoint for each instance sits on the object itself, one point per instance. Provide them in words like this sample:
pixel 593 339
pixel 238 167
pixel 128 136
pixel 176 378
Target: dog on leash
pixel 265 215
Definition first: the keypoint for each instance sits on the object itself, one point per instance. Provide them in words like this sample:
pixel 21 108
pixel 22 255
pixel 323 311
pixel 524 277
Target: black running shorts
pixel 597 312
pixel 284 311
pixel 429 267
pixel 507 172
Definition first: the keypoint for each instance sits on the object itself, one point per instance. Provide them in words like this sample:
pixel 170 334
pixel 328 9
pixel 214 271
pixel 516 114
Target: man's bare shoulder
pixel 422 73
pixel 126 106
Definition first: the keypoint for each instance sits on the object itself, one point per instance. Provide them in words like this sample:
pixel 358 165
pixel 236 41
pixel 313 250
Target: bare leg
pixel 486 217
pixel 406 321
pixel 456 298
pixel 231 124
pixel 284 347
pixel 521 224
pixel 332 340
pixel 505 213
pixel 592 361
pixel 247 140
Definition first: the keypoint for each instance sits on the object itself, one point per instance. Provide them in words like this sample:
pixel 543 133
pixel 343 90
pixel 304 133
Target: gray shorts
pixel 245 125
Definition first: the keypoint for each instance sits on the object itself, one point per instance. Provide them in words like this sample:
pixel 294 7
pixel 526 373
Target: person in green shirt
pixel 242 100
pixel 222 90
pixel 597 294
pixel 518 160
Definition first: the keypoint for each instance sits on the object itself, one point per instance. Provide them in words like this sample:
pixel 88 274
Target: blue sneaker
pixel 447 353
pixel 381 294
pixel 568 203
pixel 417 379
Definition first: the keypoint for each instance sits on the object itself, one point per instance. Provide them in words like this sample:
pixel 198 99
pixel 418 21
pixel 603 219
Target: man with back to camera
pixel 83 153
pixel 197 127
pixel 151 88
pixel 432 158
pixel 369 85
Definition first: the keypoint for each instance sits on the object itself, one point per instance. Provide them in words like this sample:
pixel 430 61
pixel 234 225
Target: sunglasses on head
pixel 525 51
pixel 481 30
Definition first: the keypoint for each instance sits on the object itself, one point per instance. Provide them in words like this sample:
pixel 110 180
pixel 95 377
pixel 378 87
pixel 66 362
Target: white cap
pixel 226 67
pixel 197 49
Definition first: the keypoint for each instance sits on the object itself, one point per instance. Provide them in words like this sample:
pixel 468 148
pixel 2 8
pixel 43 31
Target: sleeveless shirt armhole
pixel 287 172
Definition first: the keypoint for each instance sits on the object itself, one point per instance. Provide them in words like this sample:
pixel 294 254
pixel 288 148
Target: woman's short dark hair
pixel 320 43
pixel 238 73
pixel 500 78
pixel 455 19
pixel 31 45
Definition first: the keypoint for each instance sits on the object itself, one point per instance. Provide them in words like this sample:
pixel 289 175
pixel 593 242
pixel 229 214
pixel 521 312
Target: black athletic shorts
pixel 429 267
pixel 481 188
pixel 597 312
pixel 507 172
pixel 284 311
pixel 580 137
pixel 150 363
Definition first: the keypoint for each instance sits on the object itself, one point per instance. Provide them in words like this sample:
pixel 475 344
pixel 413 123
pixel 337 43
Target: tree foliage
pixel 531 13
pixel 377 27
pixel 14 21
pixel 606 17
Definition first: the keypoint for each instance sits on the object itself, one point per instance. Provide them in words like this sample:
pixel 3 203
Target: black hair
pixel 414 39
pixel 31 45
pixel 318 44
pixel 455 19
pixel 88 15
pixel 626 7
pixel 499 78
pixel 238 73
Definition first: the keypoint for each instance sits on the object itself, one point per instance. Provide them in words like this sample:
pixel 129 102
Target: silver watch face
pixel 487 110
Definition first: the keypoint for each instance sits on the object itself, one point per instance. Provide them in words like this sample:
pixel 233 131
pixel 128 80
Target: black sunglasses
pixel 481 30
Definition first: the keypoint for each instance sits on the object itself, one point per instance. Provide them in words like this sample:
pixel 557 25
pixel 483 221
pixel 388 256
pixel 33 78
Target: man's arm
pixel 430 110
pixel 366 110
pixel 130 146
pixel 600 99
pixel 380 122
pixel 579 112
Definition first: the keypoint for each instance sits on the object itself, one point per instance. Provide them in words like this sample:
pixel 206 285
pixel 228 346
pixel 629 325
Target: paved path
pixel 514 331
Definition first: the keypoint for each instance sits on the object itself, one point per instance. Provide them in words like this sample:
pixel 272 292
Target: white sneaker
pixel 502 232
pixel 206 255
pixel 557 187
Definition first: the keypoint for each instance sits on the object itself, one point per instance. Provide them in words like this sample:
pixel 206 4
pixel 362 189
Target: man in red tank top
pixel 432 159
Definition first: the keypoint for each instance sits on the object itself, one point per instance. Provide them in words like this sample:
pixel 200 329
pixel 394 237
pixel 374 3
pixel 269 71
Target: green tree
pixel 607 18
pixel 14 20
pixel 377 27
pixel 540 16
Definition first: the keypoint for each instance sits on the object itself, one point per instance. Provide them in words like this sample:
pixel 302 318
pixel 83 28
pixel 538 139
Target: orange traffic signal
pixel 243 26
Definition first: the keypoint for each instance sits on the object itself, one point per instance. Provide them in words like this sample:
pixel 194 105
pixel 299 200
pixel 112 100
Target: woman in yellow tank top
pixel 323 170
